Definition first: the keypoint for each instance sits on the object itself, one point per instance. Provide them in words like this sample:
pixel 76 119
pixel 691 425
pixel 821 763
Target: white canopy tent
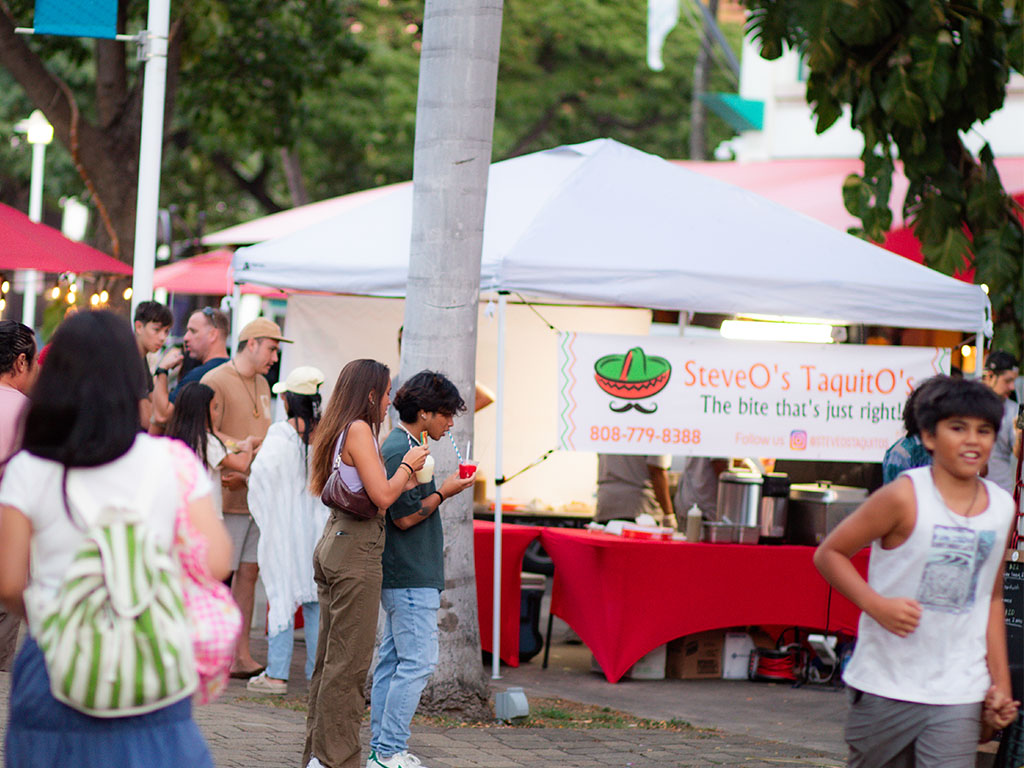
pixel 603 223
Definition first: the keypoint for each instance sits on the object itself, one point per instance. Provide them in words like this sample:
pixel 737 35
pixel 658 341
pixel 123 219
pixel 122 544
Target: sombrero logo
pixel 798 440
pixel 630 377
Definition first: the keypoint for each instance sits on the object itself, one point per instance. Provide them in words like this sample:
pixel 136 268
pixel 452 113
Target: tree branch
pixel 257 186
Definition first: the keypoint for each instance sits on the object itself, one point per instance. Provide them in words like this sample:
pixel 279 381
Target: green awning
pixel 742 114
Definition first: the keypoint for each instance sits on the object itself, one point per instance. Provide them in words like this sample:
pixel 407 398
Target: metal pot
pixel 816 508
pixel 739 498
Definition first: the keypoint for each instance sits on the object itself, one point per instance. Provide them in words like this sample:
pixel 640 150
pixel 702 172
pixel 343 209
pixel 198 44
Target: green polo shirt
pixel 413 557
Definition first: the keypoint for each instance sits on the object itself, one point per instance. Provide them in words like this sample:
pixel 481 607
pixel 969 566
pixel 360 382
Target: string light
pixel 71 297
pixel 966 350
pixel 104 297
pixel 5 286
pixel 127 294
pixel 3 304
pixel 73 287
pixel 55 292
pixel 94 299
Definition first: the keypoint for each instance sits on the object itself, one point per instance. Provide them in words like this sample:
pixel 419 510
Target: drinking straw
pixel 423 437
pixel 455 447
pixel 469 444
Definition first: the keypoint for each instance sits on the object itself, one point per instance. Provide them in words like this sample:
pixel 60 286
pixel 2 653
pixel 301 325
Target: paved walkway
pixel 246 731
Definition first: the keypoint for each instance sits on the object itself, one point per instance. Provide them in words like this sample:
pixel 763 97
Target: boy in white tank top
pixel 930 665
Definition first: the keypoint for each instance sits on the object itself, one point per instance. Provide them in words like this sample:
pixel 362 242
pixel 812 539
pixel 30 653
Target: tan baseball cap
pixel 262 328
pixel 304 380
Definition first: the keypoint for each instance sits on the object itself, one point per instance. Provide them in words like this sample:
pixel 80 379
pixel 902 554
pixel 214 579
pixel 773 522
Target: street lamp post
pixel 39 133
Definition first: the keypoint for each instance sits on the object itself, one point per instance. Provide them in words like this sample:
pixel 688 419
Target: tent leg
pixel 499 405
pixel 236 312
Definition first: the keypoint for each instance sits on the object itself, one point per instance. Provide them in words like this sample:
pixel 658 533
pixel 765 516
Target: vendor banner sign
pixel 711 397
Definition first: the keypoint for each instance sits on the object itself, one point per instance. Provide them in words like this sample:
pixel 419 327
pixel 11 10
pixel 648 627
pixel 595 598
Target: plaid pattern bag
pixel 116 642
pixel 214 619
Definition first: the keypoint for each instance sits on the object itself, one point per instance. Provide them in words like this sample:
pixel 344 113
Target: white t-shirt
pixel 949 564
pixel 32 485
pixel 215 454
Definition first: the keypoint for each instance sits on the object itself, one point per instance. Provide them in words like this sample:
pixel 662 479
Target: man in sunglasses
pixel 206 337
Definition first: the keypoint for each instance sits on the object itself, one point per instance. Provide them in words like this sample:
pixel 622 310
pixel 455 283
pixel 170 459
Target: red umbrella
pixel 208 274
pixel 25 244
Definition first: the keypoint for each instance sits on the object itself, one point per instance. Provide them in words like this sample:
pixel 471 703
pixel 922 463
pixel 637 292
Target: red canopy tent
pixel 208 274
pixel 25 244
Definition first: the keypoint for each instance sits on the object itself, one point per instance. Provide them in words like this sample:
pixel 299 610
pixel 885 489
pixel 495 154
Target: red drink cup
pixel 467 469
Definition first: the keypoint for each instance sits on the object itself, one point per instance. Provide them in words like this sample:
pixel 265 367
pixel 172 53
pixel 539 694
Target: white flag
pixel 662 17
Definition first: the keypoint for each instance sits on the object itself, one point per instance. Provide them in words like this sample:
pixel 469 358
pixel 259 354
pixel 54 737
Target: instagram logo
pixel 798 440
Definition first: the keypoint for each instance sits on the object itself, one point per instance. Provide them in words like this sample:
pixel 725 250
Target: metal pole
pixel 236 314
pixel 154 41
pixel 499 405
pixel 30 277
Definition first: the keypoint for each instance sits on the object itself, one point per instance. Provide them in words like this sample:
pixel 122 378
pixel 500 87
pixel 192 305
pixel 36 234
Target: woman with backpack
pixel 87 481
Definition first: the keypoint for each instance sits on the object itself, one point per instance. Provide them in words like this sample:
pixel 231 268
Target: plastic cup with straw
pixel 467 467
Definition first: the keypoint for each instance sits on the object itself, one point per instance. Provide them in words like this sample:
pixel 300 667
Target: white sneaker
pixel 267 685
pixel 314 763
pixel 400 760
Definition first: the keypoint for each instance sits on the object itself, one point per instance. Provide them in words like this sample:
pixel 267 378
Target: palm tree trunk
pixel 454 127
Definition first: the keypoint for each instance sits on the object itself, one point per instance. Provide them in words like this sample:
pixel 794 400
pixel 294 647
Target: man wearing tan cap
pixel 241 408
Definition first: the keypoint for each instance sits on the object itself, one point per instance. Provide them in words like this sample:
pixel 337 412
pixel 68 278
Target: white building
pixel 788 125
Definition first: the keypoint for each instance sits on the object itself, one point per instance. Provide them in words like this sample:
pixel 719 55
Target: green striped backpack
pixel 117 641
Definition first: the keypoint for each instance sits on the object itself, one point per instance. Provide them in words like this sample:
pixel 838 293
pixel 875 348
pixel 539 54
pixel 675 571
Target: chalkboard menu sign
pixel 1013 601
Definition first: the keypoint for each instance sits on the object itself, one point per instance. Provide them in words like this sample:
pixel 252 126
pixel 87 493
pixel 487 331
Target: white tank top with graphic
pixel 949 565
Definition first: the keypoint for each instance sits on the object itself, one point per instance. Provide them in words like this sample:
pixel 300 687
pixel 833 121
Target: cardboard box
pixel 696 657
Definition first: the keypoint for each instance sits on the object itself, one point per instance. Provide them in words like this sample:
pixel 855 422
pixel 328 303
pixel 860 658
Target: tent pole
pixel 499 405
pixel 979 353
pixel 236 306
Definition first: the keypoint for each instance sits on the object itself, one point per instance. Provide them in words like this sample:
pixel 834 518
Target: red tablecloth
pixel 514 540
pixel 625 597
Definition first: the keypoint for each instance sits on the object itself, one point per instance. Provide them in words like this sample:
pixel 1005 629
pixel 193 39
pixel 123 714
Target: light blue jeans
pixel 405 661
pixel 279 646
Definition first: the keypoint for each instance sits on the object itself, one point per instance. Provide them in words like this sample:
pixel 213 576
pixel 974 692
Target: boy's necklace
pixel 253 398
pixel 960 518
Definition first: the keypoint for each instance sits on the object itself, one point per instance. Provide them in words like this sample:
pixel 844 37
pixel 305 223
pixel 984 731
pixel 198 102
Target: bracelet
pixel 408 466
pixel 439 495
pixel 160 371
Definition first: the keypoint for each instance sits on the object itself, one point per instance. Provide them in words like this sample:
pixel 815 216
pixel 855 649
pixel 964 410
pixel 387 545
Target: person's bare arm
pixel 889 515
pixel 1000 709
pixel 145 412
pixel 15 538
pixel 203 516
pixel 361 452
pixel 451 486
pixel 161 397
pixel 659 480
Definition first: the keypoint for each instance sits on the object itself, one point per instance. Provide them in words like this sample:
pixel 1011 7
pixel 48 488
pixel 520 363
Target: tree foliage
pixel 330 87
pixel 917 75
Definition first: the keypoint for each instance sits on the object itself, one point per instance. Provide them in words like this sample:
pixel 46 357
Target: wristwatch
pixel 160 371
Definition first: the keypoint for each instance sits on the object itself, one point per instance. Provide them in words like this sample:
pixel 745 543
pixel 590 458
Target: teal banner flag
pixel 76 18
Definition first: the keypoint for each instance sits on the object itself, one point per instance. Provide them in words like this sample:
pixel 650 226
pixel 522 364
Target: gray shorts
pixel 245 535
pixel 888 733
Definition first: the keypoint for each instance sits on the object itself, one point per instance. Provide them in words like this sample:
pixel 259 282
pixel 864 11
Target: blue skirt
pixel 43 733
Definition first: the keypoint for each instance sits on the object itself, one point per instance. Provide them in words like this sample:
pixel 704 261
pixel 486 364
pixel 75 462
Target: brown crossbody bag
pixel 337 495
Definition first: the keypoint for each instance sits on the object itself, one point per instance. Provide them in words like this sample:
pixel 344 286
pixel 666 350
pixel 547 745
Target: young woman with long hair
pixel 291 520
pixel 347 559
pixel 192 423
pixel 82 435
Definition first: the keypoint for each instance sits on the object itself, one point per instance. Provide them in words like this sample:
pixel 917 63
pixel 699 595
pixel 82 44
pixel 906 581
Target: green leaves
pixel 915 74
